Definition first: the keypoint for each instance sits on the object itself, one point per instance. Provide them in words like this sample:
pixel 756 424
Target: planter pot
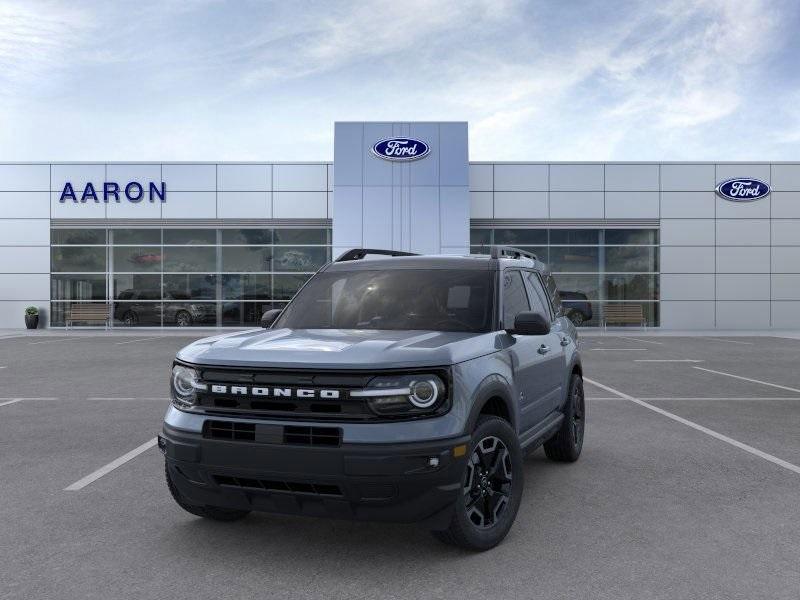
pixel 31 321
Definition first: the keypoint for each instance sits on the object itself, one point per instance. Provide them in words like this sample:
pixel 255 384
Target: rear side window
pixel 552 292
pixel 515 298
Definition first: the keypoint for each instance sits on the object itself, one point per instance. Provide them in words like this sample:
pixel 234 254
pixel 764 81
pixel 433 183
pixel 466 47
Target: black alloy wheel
pixel 487 485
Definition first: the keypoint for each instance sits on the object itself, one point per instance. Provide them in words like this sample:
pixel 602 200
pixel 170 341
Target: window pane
pixel 538 300
pixel 631 287
pixel 297 258
pixel 246 259
pixel 83 237
pixel 515 299
pixel 78 287
pixel 631 236
pixel 136 236
pixel 190 259
pixel 480 236
pixel 577 287
pixel 137 287
pixel 137 314
pixel 582 313
pixel 195 237
pixel 246 287
pixel 137 259
pixel 576 259
pixel 247 237
pixel 575 236
pixel 284 287
pixel 301 236
pixel 78 259
pixel 190 287
pixel 246 314
pixel 631 259
pixel 189 314
pixel 521 237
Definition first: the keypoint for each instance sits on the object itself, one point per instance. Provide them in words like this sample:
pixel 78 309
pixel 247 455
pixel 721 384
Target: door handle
pixel 544 349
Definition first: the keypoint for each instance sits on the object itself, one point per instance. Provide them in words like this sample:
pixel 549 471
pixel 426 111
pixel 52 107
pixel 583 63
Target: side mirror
pixel 269 317
pixel 530 323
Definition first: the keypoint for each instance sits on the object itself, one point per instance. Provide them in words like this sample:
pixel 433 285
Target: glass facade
pixel 593 267
pixel 180 277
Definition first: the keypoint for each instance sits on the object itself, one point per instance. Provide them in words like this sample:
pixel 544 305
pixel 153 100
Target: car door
pixel 528 362
pixel 554 356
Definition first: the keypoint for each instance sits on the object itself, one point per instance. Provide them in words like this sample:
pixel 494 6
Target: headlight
pixel 185 383
pixel 405 395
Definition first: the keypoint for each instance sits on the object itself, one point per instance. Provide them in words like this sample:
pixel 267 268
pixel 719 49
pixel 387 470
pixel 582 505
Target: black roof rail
pixel 510 252
pixel 359 253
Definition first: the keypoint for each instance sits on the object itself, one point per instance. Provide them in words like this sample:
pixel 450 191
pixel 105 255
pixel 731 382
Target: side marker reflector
pixel 460 450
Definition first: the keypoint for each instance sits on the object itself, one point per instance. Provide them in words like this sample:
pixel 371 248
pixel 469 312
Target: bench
pixel 624 314
pixel 88 313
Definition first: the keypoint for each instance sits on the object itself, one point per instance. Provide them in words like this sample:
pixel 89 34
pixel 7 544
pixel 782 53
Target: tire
pixel 183 319
pixel 485 510
pixel 215 513
pixel 129 319
pixel 566 444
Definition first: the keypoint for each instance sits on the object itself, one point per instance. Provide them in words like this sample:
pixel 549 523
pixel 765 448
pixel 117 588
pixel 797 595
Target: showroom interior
pixel 231 240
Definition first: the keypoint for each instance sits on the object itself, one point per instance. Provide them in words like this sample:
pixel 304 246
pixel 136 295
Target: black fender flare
pixel 493 386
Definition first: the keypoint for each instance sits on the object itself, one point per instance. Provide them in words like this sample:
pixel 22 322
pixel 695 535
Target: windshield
pixel 438 300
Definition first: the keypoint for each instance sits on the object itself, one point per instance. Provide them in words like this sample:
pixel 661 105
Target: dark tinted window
pixel 435 300
pixel 515 298
pixel 539 301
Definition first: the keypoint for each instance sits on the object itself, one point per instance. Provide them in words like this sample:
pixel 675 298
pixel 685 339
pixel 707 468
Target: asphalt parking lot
pixel 688 487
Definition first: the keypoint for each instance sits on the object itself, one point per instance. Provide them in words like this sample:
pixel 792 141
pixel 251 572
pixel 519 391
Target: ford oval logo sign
pixel 743 189
pixel 400 148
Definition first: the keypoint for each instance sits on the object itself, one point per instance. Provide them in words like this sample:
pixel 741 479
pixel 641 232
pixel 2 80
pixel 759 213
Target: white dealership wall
pixel 723 264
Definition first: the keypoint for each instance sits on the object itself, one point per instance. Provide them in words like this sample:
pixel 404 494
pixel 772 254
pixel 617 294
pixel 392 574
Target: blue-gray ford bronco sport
pixel 401 388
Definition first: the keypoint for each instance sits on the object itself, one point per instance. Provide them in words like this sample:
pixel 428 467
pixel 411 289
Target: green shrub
pixel 32 310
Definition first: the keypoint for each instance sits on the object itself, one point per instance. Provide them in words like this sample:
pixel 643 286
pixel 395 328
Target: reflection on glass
pixel 247 237
pixel 284 287
pixel 297 258
pixel 246 287
pixel 136 236
pixel 78 259
pixel 78 287
pixel 189 314
pixel 300 236
pixel 127 287
pixel 190 287
pixel 83 237
pixel 194 259
pixel 246 259
pixel 574 236
pixel 627 259
pixel 137 313
pixel 576 259
pixel 191 237
pixel 520 237
pixel 246 313
pixel 137 259
pixel 589 285
pixel 480 236
pixel 631 287
pixel 620 237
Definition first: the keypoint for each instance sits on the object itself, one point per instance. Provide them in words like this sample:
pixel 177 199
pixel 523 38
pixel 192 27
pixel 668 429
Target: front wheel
pixel 491 489
pixel 183 319
pixel 567 443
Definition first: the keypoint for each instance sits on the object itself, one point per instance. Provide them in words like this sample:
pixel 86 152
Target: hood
pixel 339 348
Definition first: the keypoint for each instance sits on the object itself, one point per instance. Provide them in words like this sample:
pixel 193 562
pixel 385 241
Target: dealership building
pixel 217 244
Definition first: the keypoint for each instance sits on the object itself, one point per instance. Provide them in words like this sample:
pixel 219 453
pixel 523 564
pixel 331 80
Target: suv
pixel 405 388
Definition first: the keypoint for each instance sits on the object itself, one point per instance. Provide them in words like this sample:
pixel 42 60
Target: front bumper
pixel 373 482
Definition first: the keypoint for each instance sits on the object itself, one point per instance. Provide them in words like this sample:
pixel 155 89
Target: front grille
pixel 312 436
pixel 292 487
pixel 230 430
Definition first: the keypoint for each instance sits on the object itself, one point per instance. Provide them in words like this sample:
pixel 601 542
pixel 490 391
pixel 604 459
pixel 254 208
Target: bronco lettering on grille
pixel 241 390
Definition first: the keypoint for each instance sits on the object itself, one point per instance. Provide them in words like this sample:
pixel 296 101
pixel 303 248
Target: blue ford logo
pixel 743 189
pixel 400 148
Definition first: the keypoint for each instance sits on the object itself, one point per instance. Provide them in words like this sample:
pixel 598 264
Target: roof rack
pixel 510 252
pixel 359 253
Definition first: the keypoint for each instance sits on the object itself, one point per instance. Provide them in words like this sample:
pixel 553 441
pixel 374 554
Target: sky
pixel 258 81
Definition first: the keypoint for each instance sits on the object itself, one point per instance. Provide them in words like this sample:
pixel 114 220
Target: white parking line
pixel 639 340
pixel 728 341
pixel 775 385
pixel 134 341
pixel 105 470
pixel 670 360
pixel 14 401
pixel 723 438
pixel 617 349
pixel 741 399
pixel 61 339
pixel 164 398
